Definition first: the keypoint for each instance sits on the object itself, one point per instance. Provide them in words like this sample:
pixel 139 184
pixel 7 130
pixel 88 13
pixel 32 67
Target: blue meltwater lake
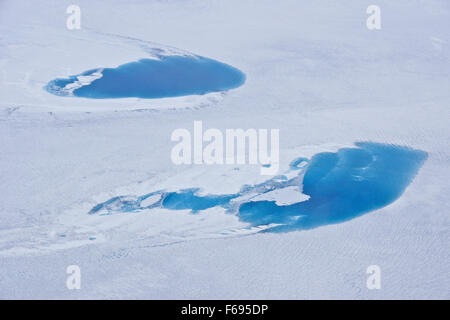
pixel 339 186
pixel 342 185
pixel 168 76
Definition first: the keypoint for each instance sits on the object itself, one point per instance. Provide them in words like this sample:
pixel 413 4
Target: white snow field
pixel 314 71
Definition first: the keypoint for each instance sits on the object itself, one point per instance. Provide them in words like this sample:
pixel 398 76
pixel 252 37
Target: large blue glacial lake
pixel 341 186
pixel 169 76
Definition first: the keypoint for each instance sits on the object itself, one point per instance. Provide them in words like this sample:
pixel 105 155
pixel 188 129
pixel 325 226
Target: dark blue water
pixel 170 76
pixel 341 185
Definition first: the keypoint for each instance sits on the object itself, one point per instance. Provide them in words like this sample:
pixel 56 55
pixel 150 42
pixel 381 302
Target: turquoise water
pixel 341 185
pixel 170 76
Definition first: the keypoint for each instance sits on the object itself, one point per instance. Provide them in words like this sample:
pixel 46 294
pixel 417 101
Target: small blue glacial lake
pixel 170 76
pixel 341 186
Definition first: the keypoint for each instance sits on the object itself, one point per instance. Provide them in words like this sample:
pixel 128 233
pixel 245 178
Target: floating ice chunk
pixel 283 196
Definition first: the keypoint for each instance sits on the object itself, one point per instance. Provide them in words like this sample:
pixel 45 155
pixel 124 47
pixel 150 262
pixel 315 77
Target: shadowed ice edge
pixel 341 186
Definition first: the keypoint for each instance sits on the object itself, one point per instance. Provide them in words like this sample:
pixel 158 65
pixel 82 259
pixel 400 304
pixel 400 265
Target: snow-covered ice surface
pixel 313 70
